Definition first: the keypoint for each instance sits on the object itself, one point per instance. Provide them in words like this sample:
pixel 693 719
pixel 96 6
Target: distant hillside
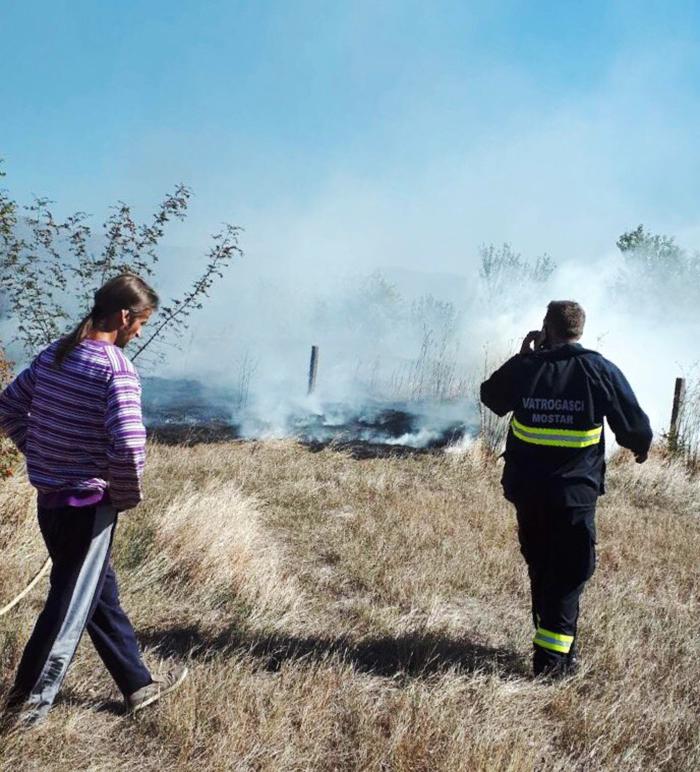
pixel 451 287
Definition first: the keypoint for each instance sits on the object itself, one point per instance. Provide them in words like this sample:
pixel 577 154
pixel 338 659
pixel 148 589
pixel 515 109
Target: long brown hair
pixel 127 291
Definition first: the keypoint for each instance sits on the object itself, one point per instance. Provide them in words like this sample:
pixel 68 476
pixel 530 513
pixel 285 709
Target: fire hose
pixel 27 589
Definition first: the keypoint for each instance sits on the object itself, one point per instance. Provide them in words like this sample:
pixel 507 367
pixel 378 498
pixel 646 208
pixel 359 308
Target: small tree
pixel 652 254
pixel 502 271
pixel 50 269
pixel 658 271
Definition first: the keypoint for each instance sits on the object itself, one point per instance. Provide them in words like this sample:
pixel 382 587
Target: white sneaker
pixel 154 691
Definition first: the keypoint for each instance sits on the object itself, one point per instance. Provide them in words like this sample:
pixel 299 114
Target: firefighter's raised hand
pixel 532 341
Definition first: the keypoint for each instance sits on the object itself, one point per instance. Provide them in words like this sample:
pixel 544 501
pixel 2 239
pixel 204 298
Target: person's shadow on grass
pixel 413 655
pixel 405 657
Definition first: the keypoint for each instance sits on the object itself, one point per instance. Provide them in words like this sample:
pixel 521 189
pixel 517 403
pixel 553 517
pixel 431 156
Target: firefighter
pixel 559 392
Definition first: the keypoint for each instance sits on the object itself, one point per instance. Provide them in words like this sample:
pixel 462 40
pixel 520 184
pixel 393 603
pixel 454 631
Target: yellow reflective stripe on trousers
pixel 558 642
pixel 561 438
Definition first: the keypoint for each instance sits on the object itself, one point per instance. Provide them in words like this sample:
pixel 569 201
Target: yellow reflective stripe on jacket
pixel 561 438
pixel 558 642
pixel 572 432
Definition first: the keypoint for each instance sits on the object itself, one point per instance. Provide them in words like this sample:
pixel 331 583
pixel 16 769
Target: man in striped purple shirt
pixel 75 413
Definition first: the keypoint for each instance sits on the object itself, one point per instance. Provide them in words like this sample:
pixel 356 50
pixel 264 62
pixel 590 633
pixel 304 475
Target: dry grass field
pixel 370 615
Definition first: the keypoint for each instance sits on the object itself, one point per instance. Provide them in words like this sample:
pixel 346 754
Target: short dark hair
pixel 566 318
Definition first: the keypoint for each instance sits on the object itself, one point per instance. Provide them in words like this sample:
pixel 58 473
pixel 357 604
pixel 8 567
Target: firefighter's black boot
pixel 572 661
pixel 553 666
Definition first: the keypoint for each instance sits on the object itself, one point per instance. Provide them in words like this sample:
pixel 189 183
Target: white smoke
pixel 419 344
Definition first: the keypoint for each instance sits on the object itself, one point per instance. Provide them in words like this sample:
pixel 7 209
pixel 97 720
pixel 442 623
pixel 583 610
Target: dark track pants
pixel 83 594
pixel 558 544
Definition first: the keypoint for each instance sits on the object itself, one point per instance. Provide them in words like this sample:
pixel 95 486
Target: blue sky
pixel 363 133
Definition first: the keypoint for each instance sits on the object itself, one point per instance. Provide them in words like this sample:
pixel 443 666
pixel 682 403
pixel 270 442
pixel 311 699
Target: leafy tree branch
pixel 50 268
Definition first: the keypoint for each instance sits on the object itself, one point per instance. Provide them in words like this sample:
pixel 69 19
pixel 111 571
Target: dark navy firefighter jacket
pixel 556 441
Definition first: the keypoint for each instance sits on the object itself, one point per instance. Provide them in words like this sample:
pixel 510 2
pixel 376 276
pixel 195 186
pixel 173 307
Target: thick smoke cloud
pixel 561 177
pixel 399 337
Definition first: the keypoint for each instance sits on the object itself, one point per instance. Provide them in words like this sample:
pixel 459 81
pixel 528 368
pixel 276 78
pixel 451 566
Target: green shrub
pixel 8 453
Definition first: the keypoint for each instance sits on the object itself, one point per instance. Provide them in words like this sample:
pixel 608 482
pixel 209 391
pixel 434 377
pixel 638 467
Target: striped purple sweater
pixel 79 426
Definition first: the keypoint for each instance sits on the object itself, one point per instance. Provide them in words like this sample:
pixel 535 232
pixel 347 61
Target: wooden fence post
pixel 313 369
pixel 678 397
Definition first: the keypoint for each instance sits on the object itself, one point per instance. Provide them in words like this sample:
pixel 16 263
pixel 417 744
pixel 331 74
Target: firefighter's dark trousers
pixel 558 544
pixel 83 594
